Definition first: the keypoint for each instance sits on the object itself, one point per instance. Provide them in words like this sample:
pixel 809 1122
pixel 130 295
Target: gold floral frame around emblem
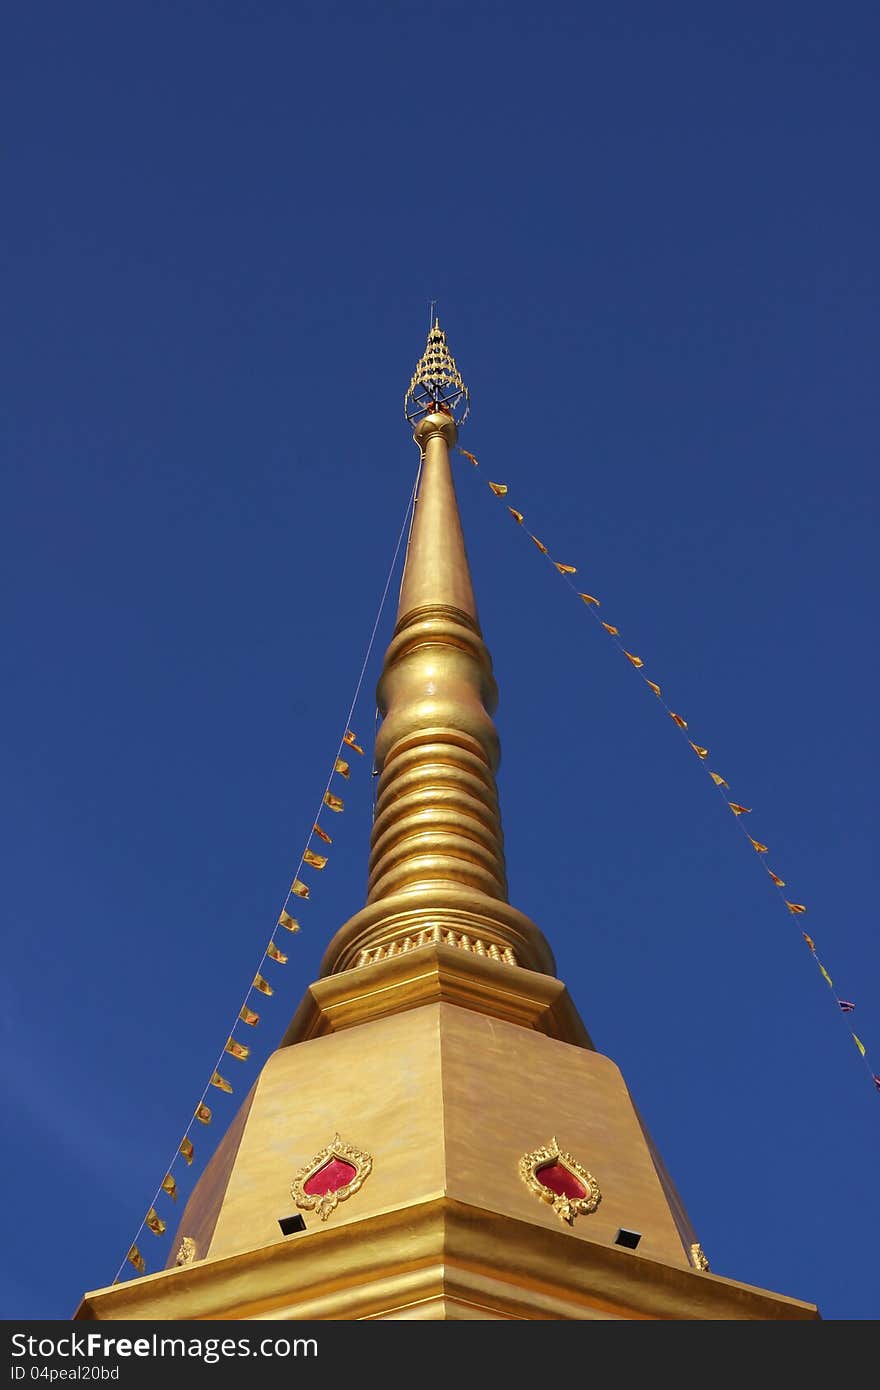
pixel 325 1202
pixel 566 1208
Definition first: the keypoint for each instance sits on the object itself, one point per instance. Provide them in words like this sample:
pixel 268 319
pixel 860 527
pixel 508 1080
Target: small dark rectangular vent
pixel 628 1238
pixel 289 1224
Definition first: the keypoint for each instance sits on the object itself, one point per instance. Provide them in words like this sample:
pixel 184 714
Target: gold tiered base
pixel 446 1096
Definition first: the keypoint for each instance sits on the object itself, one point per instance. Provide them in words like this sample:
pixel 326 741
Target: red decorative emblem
pixel 334 1174
pixel 556 1177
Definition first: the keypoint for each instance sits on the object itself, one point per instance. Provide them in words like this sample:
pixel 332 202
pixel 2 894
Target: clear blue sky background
pixel 652 232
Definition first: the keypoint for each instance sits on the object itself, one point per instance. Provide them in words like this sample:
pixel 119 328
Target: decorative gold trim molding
pixel 325 1202
pixel 186 1251
pixel 698 1258
pixel 435 935
pixel 566 1208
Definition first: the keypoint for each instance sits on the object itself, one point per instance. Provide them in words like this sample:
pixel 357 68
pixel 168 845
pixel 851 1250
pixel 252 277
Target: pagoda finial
pixel 436 384
pixel 437 862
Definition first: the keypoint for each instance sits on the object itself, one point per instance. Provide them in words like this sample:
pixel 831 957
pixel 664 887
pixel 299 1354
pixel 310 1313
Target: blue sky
pixel 652 234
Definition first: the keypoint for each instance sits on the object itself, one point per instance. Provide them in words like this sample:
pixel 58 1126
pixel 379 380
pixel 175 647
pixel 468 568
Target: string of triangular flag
pixel 248 1016
pixel 299 891
pixel 735 808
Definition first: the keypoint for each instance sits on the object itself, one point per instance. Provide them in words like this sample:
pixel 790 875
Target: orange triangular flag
pixel 588 598
pixel 615 631
pixel 700 752
pixel 720 782
pixel 187 1149
pixel 237 1049
pixel 136 1258
pixel 290 923
pixel 756 844
pixel 155 1222
pixel 540 544
pixel 342 767
pixel 273 953
pixel 517 516
pixel 262 985
pixel 682 723
pixel 334 802
pixel 653 685
pixel 322 834
pixel 248 1016
pixel 352 743
pixel 795 907
pixel 780 882
pixel 809 940
pixel 499 489
pixel 739 810
pixel 170 1186
pixel 565 569
pixel 469 456
pixel 636 660
pixel 299 888
pixel 203 1114
pixel 317 861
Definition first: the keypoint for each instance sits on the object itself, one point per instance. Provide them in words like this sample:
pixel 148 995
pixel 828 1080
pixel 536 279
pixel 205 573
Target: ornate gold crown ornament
pixel 436 384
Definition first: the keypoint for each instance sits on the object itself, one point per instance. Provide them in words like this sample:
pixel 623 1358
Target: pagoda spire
pixel 437 848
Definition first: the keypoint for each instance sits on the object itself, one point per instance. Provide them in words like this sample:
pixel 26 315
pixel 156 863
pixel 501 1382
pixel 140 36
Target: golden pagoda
pixel 436 1136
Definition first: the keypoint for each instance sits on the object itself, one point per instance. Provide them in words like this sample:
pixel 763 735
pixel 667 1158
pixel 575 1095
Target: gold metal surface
pixel 437 847
pixel 566 1208
pixel 440 1259
pixel 186 1251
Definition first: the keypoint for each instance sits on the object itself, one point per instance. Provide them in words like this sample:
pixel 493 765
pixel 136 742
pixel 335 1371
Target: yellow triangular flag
pixel 186 1150
pixel 342 767
pixel 565 569
pixel 859 1044
pixel 588 598
pixel 540 544
pixel 262 985
pixel 499 489
pixel 739 810
pixel 299 888
pixel 136 1258
pixel 780 882
pixel 317 861
pixel 203 1114
pixel 352 743
pixel 469 456
pixel 795 907
pixel 322 834
pixel 653 685
pixel 221 1083
pixel 334 802
pixel 700 752
pixel 609 627
pixel 273 953
pixel 155 1222
pixel 682 723
pixel 720 782
pixel 288 922
pixel 517 516
pixel 825 973
pixel 248 1016
pixel 636 660
pixel 756 844
pixel 237 1049
pixel 169 1186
